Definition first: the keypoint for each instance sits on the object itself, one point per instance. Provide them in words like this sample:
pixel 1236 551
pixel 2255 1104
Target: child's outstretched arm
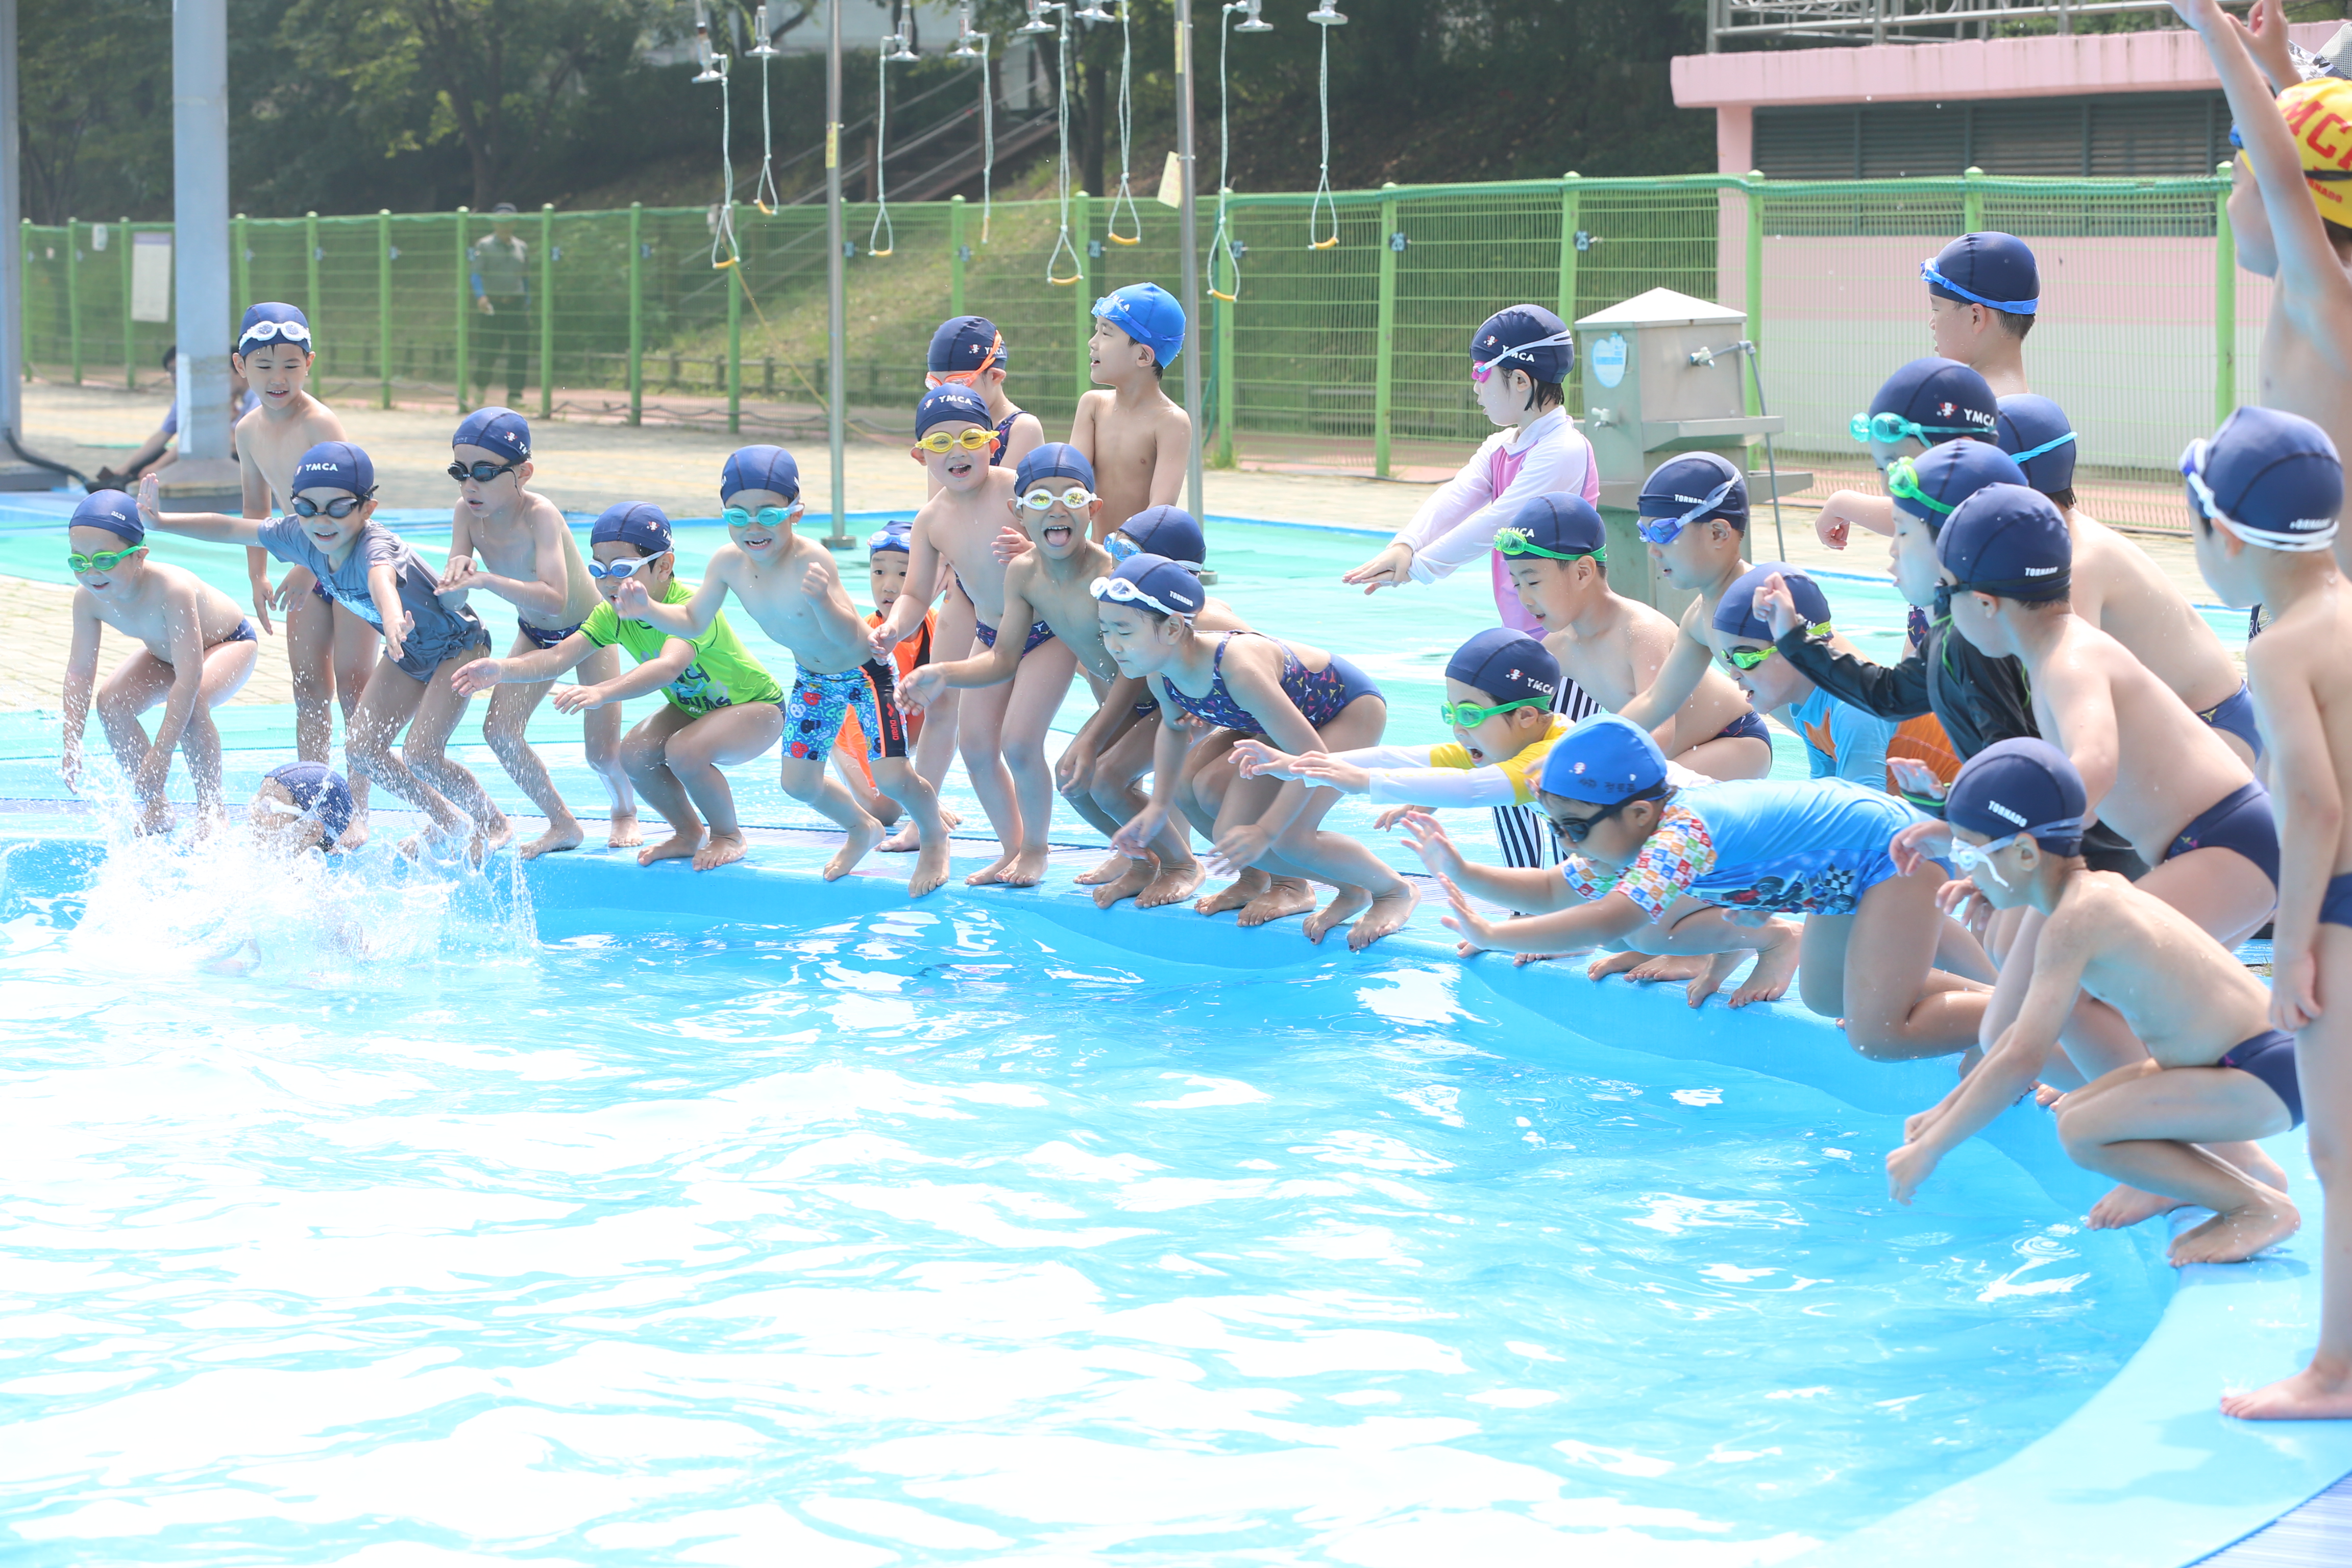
pixel 2310 801
pixel 690 619
pixel 82 680
pixel 1607 919
pixel 651 676
pixel 210 525
pixel 1833 523
pixel 924 684
pixel 1654 707
pixel 914 595
pixel 527 670
pixel 383 592
pixel 255 498
pixel 1533 888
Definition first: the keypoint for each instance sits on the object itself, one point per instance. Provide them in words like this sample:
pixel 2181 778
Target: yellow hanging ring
pixel 1078 268
pixel 1228 299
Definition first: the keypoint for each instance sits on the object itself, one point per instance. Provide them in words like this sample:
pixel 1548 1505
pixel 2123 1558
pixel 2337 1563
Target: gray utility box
pixel 1646 397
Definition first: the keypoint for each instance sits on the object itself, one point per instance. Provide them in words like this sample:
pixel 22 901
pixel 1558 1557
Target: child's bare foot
pixel 1116 869
pixel 2237 1236
pixel 1172 886
pixel 623 832
pixel 856 843
pixel 1710 979
pixel 2126 1206
pixel 2311 1395
pixel 1389 912
pixel 1610 964
pixel 931 869
pixel 487 839
pixel 1013 868
pixel 1769 980
pixel 563 833
pixel 1284 897
pixel 1132 879
pixel 908 838
pixel 677 847
pixel 1344 905
pixel 1235 894
pixel 355 835
pixel 719 850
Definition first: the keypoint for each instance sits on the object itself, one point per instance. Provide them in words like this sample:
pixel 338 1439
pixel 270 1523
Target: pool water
pixel 627 1218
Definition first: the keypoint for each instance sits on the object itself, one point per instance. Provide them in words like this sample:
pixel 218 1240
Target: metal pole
pixel 465 309
pixel 73 299
pixel 1082 297
pixel 1755 198
pixel 546 309
pixel 2225 302
pixel 836 368
pixel 384 307
pixel 955 248
pixel 199 225
pixel 1385 339
pixel 636 313
pixel 130 327
pixel 12 243
pixel 310 272
pixel 1187 241
pixel 240 261
pixel 734 339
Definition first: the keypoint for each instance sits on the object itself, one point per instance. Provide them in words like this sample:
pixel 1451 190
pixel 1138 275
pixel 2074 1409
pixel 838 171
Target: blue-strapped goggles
pixel 1665 530
pixel 1890 427
pixel 272 331
pixel 1968 860
pixel 2014 306
pixel 2022 458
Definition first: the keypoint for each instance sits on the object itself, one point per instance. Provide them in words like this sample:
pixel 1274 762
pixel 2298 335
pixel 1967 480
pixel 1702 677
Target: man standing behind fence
pixel 502 299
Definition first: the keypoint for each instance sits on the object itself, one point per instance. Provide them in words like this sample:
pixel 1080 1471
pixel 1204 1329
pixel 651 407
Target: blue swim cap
pixel 319 789
pixel 1604 760
pixel 272 322
pixel 967 343
pixel 1693 488
pixel 1148 314
pixel 950 405
pixel 112 511
pixel 2024 785
pixel 758 469
pixel 1053 460
pixel 1153 581
pixel 499 431
pixel 897 534
pixel 1506 665
pixel 2035 432
pixel 1527 338
pixel 1561 524
pixel 1736 614
pixel 641 523
pixel 335 465
pixel 1942 396
pixel 1169 531
pixel 1989 268
pixel 1948 474
pixel 2272 478
pixel 2009 542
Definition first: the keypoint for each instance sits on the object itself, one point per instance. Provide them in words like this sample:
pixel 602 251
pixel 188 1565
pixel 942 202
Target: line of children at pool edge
pixel 2031 843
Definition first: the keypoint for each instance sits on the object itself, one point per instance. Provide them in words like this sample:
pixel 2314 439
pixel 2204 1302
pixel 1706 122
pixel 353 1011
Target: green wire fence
pixel 1345 360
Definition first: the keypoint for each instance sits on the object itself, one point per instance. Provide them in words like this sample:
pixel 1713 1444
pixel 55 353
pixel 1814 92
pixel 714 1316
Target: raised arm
pixel 209 525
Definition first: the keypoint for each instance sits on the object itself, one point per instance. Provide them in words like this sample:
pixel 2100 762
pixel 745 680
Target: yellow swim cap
pixel 2319 115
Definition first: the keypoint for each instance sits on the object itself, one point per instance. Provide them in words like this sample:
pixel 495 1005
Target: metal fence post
pixel 1972 199
pixel 1224 371
pixel 636 313
pixel 465 309
pixel 1384 367
pixel 1572 220
pixel 129 336
pixel 384 307
pixel 546 309
pixel 1754 187
pixel 956 252
pixel 310 271
pixel 1082 295
pixel 735 342
pixel 240 261
pixel 73 301
pixel 2225 302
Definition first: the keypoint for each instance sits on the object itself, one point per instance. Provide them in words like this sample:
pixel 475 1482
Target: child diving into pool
pixel 1984 294
pixel 2266 492
pixel 719 706
pixel 1521 360
pixel 528 557
pixel 1299 698
pixel 2216 1074
pixel 372 571
pixel 196 652
pixel 1131 432
pixel 1926 403
pixel 1639 845
pixel 790 588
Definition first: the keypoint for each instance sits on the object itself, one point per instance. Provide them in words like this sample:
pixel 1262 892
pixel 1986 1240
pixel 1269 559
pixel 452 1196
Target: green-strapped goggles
pixel 104 561
pixel 1470 715
pixel 1746 658
pixel 1903 483
pixel 1890 427
pixel 1518 542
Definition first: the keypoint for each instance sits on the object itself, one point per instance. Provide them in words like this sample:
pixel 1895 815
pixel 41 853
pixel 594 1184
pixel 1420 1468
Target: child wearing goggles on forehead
pixel 427 633
pixel 1521 360
pixel 196 652
pixel 969 352
pixel 1300 699
pixel 1135 439
pixel 330 649
pixel 2214 1077
pixel 1926 403
pixel 529 558
pixel 791 589
pixel 1641 847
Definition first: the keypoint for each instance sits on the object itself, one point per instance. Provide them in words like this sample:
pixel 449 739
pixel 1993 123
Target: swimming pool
pixel 610 1216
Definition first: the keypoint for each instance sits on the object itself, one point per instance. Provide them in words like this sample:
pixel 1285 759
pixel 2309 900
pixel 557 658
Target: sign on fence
pixel 151 276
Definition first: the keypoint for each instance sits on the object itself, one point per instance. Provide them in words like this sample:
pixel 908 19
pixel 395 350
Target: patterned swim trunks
pixel 817 705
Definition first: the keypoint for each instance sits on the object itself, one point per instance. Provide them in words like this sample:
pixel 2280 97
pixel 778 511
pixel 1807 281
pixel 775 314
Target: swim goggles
pixel 104 561
pixel 1746 658
pixel 624 568
pixel 1043 499
pixel 1470 715
pixel 1968 860
pixel 973 440
pixel 481 473
pixel 1481 370
pixel 1119 591
pixel 2022 458
pixel 338 509
pixel 1927 273
pixel 2201 496
pixel 770 517
pixel 1665 529
pixel 1516 542
pixel 1577 829
pixel 1890 427
pixel 1903 482
pixel 272 332
pixel 1121 547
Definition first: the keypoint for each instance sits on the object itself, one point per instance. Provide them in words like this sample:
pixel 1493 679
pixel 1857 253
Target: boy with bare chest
pixel 1138 442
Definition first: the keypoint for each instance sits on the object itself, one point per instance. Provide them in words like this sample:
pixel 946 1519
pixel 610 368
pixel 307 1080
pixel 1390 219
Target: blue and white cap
pixel 1693 488
pixel 1736 614
pixel 950 405
pixel 1153 581
pixel 2036 433
pixel 318 790
pixel 2009 542
pixel 637 523
pixel 112 511
pixel 1527 338
pixel 967 343
pixel 1509 666
pixel 272 322
pixel 1148 314
pixel 760 469
pixel 897 534
pixel 1604 760
pixel 1053 460
pixel 2024 785
pixel 1942 396
pixel 335 465
pixel 2271 478
pixel 499 431
pixel 1990 268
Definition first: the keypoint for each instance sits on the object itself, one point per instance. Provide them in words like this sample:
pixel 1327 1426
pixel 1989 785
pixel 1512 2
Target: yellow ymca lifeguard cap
pixel 2319 115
